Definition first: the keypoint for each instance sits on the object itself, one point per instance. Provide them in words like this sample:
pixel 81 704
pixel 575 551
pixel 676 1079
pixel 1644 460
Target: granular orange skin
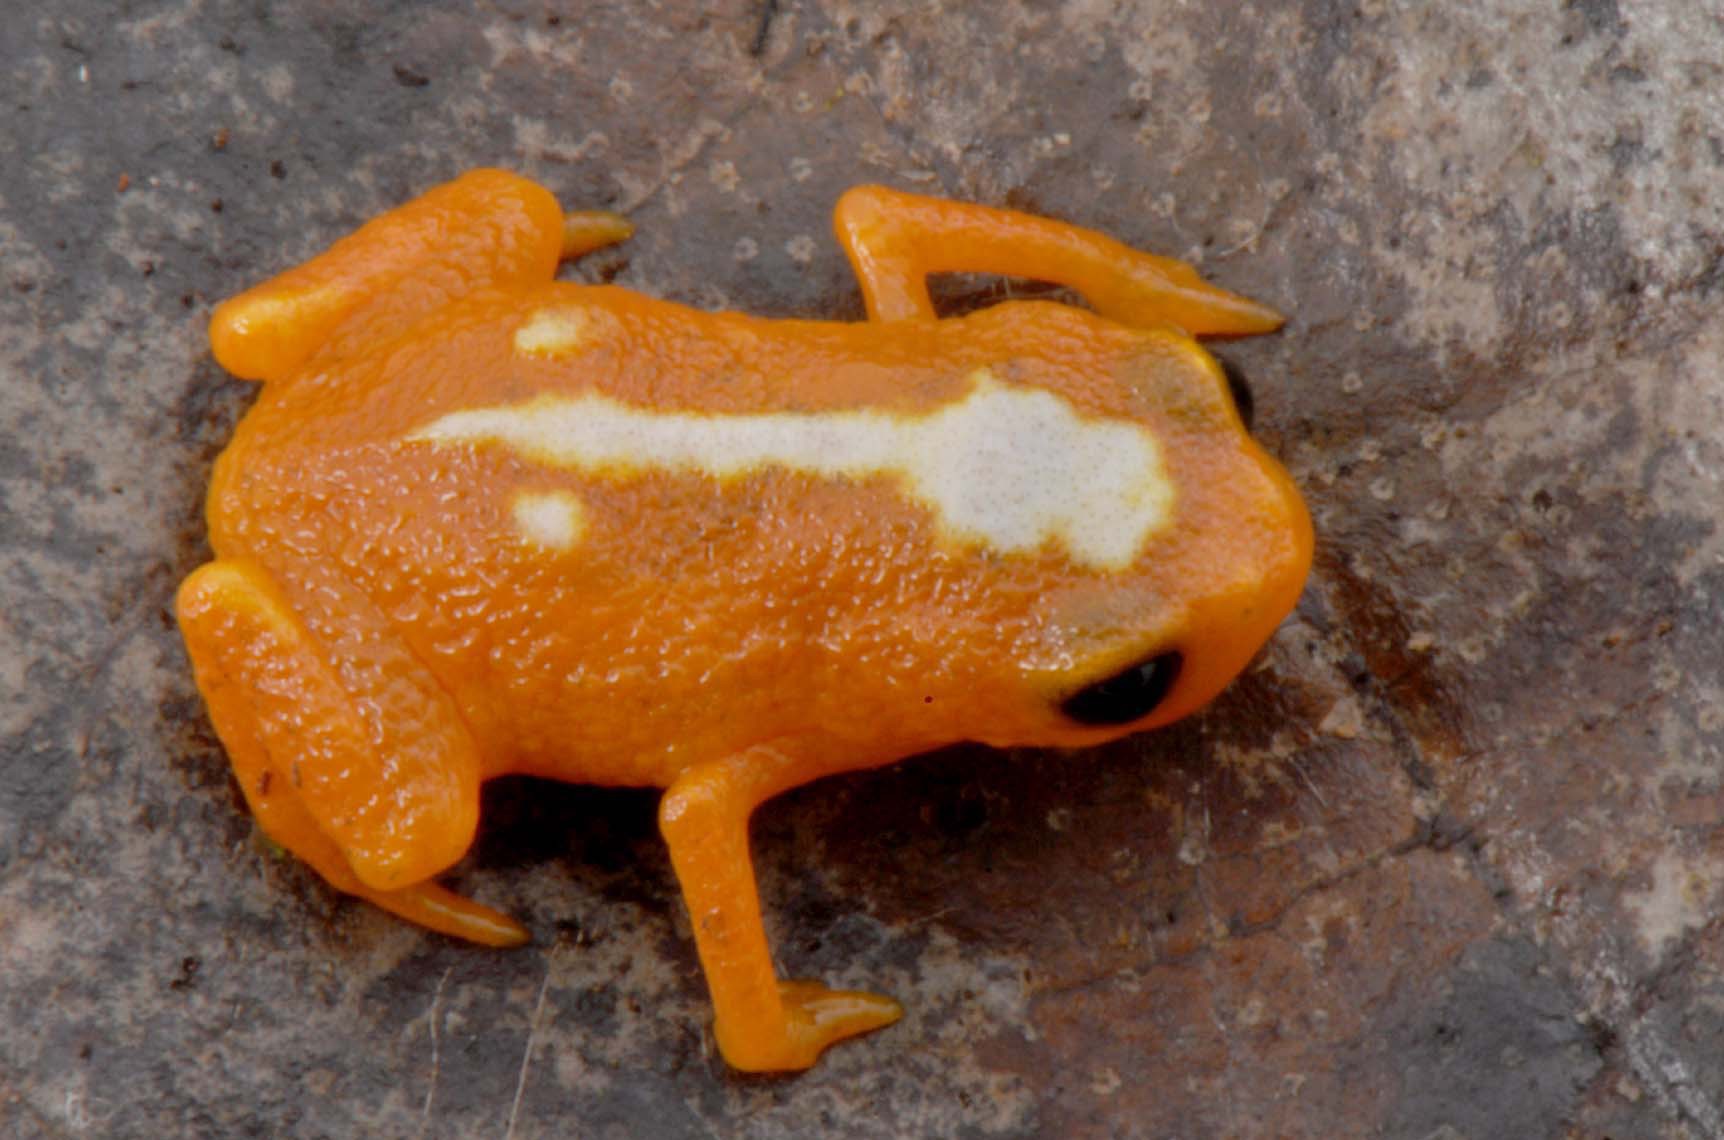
pixel 375 638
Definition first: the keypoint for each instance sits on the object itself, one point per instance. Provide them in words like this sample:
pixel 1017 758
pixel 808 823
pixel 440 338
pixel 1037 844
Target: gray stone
pixel 1475 785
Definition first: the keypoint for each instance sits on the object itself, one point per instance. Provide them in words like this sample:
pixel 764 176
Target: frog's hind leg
pixel 894 240
pixel 488 229
pixel 307 768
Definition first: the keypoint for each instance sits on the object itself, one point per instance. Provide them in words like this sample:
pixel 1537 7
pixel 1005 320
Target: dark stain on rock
pixel 1595 17
pixel 37 776
pixel 1499 1053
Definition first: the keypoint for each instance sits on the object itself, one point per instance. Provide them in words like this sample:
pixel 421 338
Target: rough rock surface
pixel 1446 864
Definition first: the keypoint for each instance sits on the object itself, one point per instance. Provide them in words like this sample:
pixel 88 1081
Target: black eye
pixel 1241 390
pixel 1128 695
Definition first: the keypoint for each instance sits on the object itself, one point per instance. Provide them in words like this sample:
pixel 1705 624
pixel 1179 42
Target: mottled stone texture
pixel 1445 864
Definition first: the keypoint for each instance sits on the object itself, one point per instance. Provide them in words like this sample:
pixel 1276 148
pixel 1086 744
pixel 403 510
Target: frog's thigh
pixel 762 1024
pixel 286 724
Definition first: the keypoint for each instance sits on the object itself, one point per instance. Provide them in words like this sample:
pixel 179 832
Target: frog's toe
pixel 815 1017
pixel 830 1015
pixel 445 911
pixel 587 230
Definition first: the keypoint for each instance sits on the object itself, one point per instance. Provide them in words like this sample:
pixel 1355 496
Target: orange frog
pixel 483 522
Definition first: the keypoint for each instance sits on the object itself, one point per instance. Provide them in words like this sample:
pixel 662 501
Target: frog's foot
pixel 309 771
pixel 895 240
pixel 814 1017
pixel 587 230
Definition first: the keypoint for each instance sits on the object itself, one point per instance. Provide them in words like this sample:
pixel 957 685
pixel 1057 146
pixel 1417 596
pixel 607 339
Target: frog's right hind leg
pixel 310 772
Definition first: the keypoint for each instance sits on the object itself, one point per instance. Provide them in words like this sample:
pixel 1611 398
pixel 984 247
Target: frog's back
pixel 582 506
pixel 356 439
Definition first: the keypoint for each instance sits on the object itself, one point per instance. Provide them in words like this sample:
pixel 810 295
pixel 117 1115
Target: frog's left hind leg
pixel 762 1024
pixel 895 240
pixel 488 229
pixel 307 766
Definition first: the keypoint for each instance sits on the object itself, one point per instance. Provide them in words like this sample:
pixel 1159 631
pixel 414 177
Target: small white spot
pixel 1003 467
pixel 1344 720
pixel 552 332
pixel 724 176
pixel 553 520
pixel 801 249
pixel 278 83
pixel 1680 900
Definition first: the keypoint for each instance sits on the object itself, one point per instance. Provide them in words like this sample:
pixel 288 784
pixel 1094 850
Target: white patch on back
pixel 553 520
pixel 1003 468
pixel 552 332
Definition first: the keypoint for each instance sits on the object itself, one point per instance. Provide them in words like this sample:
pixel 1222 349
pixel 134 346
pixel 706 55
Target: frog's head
pixel 1217 553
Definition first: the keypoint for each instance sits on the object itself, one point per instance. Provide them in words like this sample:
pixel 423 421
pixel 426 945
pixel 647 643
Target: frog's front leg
pixel 895 240
pixel 762 1024
pixel 375 821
